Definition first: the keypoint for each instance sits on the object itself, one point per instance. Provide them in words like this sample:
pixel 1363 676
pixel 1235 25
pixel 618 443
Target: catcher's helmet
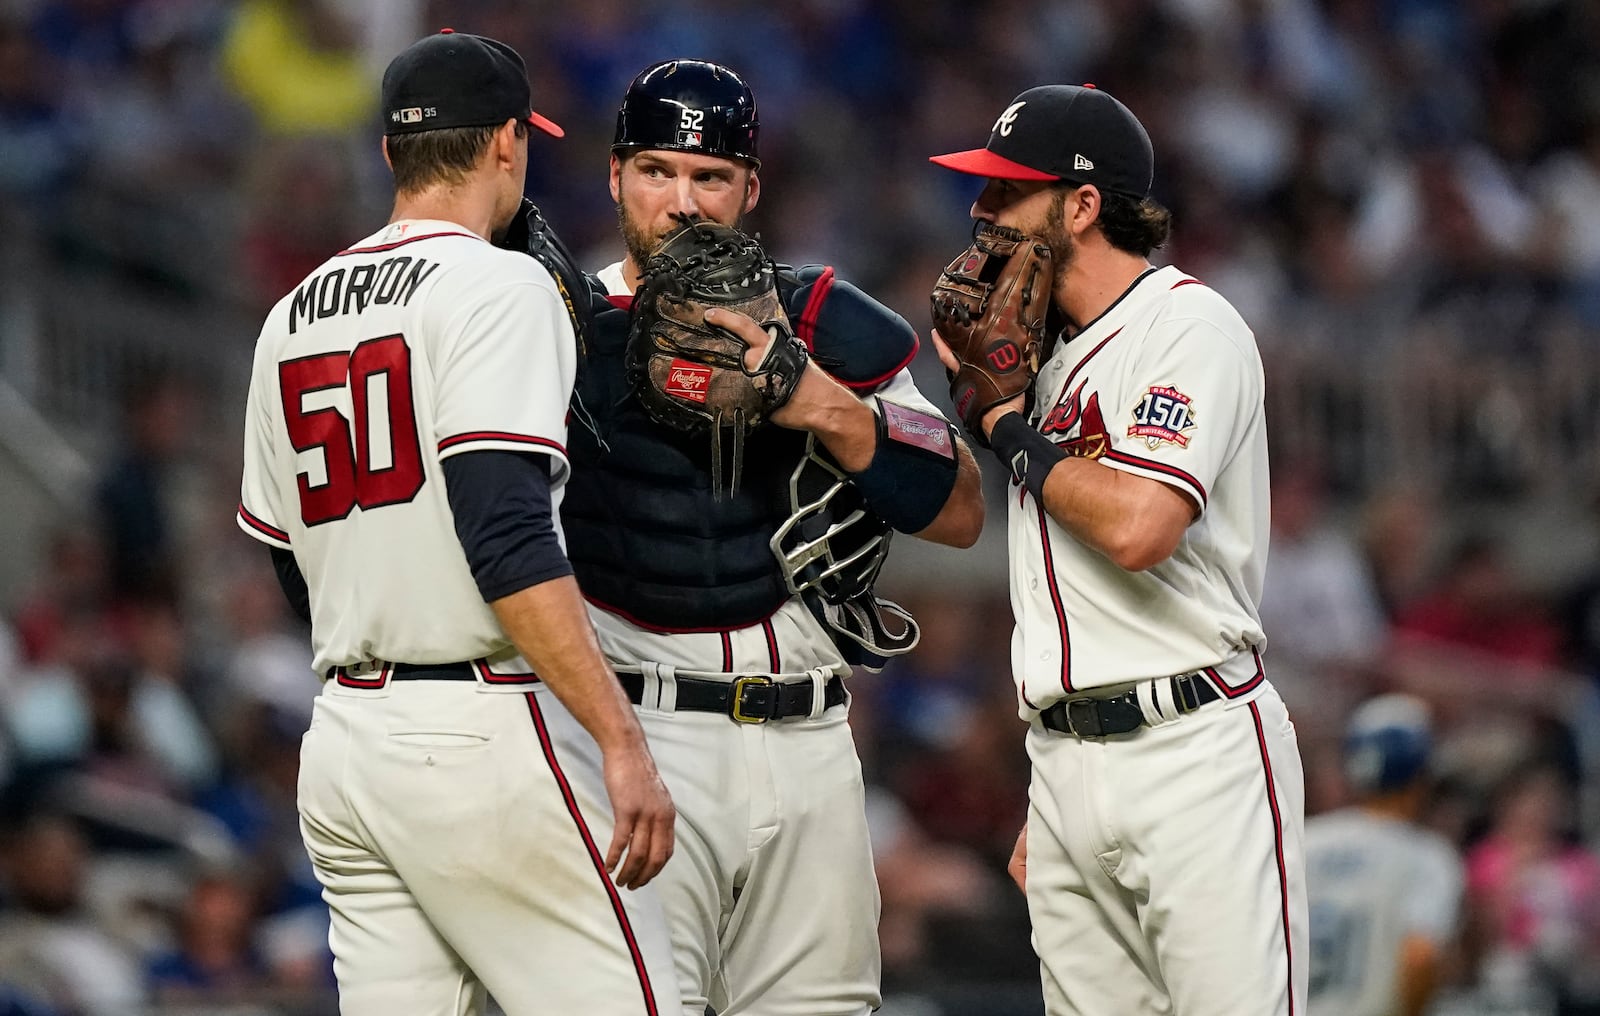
pixel 691 106
pixel 1386 744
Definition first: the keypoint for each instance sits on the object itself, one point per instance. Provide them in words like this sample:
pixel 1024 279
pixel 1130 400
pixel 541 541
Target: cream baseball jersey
pixel 1166 384
pixel 1373 882
pixel 414 345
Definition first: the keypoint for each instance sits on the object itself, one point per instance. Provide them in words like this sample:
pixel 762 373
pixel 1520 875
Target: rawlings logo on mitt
pixel 690 375
pixel 989 307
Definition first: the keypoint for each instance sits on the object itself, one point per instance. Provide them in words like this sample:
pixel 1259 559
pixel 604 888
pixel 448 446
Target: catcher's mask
pixel 830 550
pixel 690 106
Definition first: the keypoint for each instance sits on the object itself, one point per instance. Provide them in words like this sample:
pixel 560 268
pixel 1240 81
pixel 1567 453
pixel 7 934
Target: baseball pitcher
pixel 475 790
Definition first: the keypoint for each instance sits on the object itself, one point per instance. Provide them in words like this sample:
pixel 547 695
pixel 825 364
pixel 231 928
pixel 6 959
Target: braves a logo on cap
pixel 1093 439
pixel 689 381
pixel 1164 416
pixel 1009 117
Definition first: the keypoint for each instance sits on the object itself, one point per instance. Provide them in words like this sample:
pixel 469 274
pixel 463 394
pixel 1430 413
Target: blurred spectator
pixel 1318 603
pixel 1399 533
pixel 270 651
pixel 295 63
pixel 36 149
pixel 1479 604
pixel 48 946
pixel 300 213
pixel 73 580
pixel 133 493
pixel 1534 890
pixel 215 961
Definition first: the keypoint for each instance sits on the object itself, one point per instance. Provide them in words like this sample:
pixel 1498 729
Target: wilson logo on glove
pixel 989 307
pixel 688 381
pixel 1004 356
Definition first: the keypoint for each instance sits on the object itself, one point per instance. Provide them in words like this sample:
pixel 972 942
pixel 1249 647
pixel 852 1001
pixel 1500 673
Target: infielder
pixel 1162 856
pixel 1385 893
pixel 771 898
pixel 404 458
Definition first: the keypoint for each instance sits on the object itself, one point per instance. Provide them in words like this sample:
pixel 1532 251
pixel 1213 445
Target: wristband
pixel 1027 453
pixel 913 468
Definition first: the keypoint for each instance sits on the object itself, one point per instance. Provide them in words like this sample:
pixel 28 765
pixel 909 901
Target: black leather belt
pixel 745 699
pixel 1120 714
pixel 432 672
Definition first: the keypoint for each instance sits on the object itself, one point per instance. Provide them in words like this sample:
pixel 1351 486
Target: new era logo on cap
pixel 1075 133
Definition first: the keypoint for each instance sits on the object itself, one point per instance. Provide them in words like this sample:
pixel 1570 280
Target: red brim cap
pixel 982 162
pixel 546 124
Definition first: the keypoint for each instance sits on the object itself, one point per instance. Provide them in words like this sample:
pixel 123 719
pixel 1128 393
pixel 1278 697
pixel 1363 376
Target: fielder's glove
pixel 690 375
pixel 989 307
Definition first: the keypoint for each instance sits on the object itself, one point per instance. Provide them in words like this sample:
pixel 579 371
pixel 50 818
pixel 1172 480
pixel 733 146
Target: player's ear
pixel 503 148
pixel 386 160
pixel 1083 207
pixel 616 178
pixel 752 191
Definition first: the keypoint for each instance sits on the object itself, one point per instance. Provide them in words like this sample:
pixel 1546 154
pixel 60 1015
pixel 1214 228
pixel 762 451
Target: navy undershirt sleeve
pixel 292 581
pixel 501 503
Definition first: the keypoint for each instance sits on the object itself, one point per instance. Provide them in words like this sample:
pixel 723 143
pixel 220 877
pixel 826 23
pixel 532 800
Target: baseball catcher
pixel 691 375
pixel 989 307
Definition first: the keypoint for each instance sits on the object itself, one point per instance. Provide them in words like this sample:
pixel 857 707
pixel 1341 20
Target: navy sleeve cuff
pixel 504 519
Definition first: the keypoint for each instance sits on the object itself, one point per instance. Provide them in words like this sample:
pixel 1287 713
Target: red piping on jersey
pixel 260 526
pixel 1277 846
pixel 1161 467
pixel 1187 282
pixel 871 383
pixel 806 327
pixel 1244 689
pixel 401 243
pixel 1055 601
pixel 490 677
pixel 622 301
pixel 500 435
pixel 727 652
pixel 594 853
pixel 1074 373
pixel 772 645
pixel 663 630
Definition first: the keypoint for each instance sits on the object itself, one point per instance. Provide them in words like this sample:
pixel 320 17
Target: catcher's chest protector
pixel 645 531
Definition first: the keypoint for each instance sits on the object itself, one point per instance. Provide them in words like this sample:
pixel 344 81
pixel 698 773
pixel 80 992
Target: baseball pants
pixel 459 833
pixel 771 895
pixel 1166 868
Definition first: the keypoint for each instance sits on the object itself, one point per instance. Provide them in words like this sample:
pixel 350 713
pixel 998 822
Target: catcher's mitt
pixel 989 307
pixel 690 375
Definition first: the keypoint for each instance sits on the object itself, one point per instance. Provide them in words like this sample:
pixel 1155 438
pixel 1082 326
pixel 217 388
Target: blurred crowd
pixel 1402 196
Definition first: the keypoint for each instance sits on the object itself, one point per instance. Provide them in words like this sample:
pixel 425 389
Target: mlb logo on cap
pixel 690 139
pixel 411 115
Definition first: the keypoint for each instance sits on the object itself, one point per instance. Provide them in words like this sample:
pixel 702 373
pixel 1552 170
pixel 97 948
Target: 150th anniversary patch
pixel 1164 416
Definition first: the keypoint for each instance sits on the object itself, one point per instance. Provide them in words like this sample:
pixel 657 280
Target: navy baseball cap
pixel 1064 132
pixel 1387 743
pixel 453 79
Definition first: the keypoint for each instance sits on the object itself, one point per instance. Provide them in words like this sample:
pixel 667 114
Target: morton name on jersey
pixel 420 342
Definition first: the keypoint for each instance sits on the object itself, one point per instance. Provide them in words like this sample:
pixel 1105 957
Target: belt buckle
pixel 736 705
pixel 1083 717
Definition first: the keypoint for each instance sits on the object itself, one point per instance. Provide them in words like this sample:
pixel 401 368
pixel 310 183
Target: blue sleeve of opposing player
pixel 853 337
pixel 505 520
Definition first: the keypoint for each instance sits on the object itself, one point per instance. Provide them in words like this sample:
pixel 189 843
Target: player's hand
pixel 952 364
pixel 796 414
pixel 1017 867
pixel 644 817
